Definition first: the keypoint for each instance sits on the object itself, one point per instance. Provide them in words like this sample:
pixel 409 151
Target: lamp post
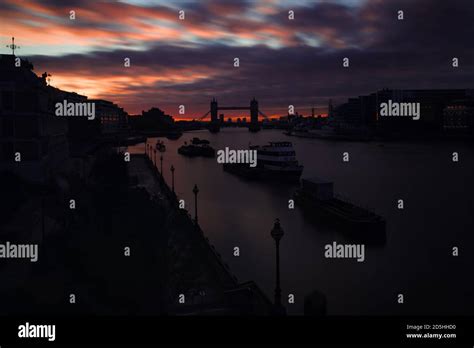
pixel 154 163
pixel 172 178
pixel 161 166
pixel 277 233
pixel 195 191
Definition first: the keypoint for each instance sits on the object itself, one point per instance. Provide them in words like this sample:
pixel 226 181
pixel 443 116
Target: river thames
pixel 415 261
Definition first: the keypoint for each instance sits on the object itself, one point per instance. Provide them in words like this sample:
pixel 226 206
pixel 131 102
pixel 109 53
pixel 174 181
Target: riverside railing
pixel 173 198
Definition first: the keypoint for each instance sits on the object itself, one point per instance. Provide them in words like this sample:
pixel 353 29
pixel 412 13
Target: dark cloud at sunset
pixel 282 62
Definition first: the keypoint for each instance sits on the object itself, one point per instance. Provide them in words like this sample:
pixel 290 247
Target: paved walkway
pixel 195 268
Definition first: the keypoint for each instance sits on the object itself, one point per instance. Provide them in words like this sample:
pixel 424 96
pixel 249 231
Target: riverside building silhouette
pixel 436 109
pixel 35 143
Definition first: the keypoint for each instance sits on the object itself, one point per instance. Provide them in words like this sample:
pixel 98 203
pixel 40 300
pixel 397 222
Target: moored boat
pixel 196 150
pixel 160 146
pixel 197 141
pixel 174 135
pixel 317 198
pixel 277 160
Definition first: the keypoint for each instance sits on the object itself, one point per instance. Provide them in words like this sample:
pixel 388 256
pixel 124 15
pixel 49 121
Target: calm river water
pixel 417 258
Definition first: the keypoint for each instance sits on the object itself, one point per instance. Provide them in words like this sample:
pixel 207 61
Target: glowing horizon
pixel 187 62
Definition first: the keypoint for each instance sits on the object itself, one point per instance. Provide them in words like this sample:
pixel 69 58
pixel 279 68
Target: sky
pixel 281 61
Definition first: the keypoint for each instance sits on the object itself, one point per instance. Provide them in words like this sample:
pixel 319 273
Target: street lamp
pixel 161 166
pixel 172 178
pixel 195 191
pixel 277 233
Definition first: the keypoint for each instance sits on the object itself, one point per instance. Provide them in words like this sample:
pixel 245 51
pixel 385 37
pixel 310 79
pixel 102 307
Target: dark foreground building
pixel 31 134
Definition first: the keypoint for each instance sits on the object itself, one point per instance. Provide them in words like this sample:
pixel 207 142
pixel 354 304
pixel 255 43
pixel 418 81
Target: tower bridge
pixel 214 125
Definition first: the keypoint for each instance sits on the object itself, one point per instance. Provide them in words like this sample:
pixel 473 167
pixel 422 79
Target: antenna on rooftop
pixel 13 47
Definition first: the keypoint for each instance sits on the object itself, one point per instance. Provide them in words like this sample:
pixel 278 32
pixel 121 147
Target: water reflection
pixel 416 259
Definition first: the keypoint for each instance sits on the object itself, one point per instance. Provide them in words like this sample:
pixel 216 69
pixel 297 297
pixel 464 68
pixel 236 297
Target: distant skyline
pixel 282 61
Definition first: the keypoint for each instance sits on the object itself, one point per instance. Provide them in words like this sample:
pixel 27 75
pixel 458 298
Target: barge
pixel 316 197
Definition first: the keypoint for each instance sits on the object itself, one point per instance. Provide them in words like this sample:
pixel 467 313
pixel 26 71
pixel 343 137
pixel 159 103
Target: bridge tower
pixel 254 126
pixel 214 125
pixel 214 110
